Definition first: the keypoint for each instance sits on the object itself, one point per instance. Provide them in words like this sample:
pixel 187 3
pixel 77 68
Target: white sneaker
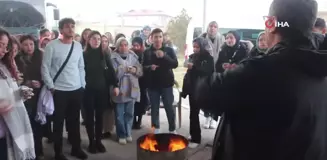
pixel 213 124
pixel 129 139
pixel 173 132
pixel 193 145
pixel 156 131
pixel 207 123
pixel 122 141
pixel 189 138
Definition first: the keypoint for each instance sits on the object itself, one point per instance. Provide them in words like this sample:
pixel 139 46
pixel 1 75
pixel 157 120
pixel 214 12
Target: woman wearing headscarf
pixel 128 70
pixel 29 64
pixel 16 135
pixel 232 52
pixel 140 107
pixel 261 46
pixel 200 65
pixel 215 39
pixel 99 77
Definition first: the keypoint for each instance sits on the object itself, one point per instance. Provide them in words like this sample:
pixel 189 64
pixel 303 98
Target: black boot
pixel 138 123
pixel 78 153
pixel 100 147
pixel 92 147
pixel 134 123
pixel 60 157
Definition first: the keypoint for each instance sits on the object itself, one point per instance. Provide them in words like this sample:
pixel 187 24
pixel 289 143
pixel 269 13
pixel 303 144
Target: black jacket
pixel 231 55
pixel 274 106
pixel 255 52
pixel 99 72
pixel 323 46
pixel 163 76
pixel 317 41
pixel 203 66
pixel 30 67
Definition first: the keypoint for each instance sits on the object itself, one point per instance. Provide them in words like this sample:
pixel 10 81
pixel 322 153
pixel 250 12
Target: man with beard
pixel 64 75
pixel 274 105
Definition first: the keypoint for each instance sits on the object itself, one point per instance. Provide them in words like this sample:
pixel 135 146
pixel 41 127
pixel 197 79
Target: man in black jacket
pixel 159 61
pixel 275 106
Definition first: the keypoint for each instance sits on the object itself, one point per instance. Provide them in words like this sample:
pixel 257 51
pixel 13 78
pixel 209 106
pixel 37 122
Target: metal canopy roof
pixel 19 14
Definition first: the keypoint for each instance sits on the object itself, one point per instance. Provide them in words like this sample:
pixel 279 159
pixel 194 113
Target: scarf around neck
pixel 19 136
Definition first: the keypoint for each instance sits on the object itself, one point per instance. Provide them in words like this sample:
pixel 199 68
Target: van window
pixel 197 32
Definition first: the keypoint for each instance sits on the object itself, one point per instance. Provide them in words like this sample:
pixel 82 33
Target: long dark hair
pixel 84 41
pixel 88 46
pixel 28 37
pixel 8 58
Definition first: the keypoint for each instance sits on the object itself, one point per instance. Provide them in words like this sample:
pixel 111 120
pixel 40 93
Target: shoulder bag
pixel 64 64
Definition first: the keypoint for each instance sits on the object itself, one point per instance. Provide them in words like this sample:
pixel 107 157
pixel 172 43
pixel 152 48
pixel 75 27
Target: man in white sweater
pixel 68 86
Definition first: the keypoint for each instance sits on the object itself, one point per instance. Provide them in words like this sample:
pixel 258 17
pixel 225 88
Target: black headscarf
pixel 203 44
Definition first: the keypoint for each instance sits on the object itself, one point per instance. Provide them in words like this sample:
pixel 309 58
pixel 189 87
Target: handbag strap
pixel 64 64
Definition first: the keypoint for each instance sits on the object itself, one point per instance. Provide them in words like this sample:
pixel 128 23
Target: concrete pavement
pixel 116 151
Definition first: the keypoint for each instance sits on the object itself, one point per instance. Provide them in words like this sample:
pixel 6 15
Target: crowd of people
pixel 270 97
pixel 101 76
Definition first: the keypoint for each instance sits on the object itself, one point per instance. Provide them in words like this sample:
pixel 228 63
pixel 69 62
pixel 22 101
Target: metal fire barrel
pixel 143 154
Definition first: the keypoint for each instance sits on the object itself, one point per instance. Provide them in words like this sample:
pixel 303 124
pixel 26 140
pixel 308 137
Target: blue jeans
pixel 124 113
pixel 168 100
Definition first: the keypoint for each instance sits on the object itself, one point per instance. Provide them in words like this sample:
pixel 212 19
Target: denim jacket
pixel 128 83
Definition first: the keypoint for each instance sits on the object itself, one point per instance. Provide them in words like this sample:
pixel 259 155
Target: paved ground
pixel 128 152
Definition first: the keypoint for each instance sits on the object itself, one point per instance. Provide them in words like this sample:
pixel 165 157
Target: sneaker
pixel 173 132
pixel 207 123
pixel 213 124
pixel 193 145
pixel 157 131
pixel 129 139
pixel 189 138
pixel 122 141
